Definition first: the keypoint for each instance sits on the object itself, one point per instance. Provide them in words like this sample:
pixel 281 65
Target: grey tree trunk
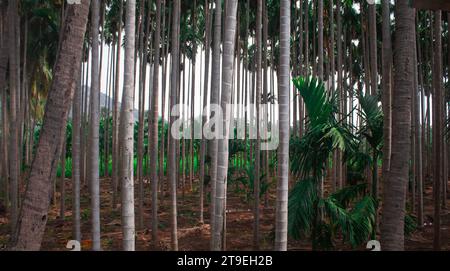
pixel 34 211
pixel 394 188
pixel 387 84
pixel 437 128
pixel 76 126
pixel 281 217
pixel 14 101
pixel 256 176
pixel 94 124
pixel 115 159
pixel 214 100
pixel 205 102
pixel 127 131
pixel 320 40
pixel 154 127
pixel 222 159
pixel 172 162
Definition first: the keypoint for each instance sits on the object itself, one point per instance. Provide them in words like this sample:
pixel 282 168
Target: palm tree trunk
pixel 256 180
pixel 172 146
pixel 394 188
pixel 387 82
pixel 205 102
pixel 281 220
pixel 34 211
pixel 373 49
pixel 154 127
pixel 141 113
pixel 13 105
pixel 62 208
pixel 214 101
pixel 127 131
pixel 115 159
pixel 222 159
pixel 76 126
pixel 437 128
pixel 94 129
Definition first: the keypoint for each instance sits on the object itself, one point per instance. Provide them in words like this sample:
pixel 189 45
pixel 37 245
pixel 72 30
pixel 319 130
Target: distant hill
pixel 104 99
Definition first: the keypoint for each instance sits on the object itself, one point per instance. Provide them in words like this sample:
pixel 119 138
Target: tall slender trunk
pixel 13 105
pixel 373 49
pixel 205 102
pixel 154 126
pixel 320 40
pixel 387 84
pixel 214 101
pixel 34 211
pixel 76 126
pixel 94 124
pixel 175 57
pixel 437 128
pixel 127 131
pixel 141 112
pixel 281 218
pixel 394 188
pixel 256 175
pixel 194 55
pixel 115 159
pixel 165 51
pixel 222 159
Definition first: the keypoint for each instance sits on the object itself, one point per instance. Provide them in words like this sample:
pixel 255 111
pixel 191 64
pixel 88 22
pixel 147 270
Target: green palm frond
pixel 372 115
pixel 301 208
pixel 349 194
pixel 318 103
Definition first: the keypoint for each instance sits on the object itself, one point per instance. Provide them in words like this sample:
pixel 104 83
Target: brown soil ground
pixel 193 235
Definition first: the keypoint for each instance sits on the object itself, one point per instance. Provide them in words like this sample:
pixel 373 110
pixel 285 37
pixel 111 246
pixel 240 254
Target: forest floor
pixel 191 234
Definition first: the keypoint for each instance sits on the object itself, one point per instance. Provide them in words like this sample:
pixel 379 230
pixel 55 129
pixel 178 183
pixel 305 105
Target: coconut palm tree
pixel 394 187
pixel 127 131
pixel 34 211
pixel 222 159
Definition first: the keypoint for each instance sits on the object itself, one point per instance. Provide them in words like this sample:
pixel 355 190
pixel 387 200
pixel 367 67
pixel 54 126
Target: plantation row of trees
pixel 357 91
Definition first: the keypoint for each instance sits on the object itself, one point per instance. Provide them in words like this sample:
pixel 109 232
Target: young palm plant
pixel 349 213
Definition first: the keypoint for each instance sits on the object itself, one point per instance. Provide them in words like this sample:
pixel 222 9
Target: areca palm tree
pixel 309 213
